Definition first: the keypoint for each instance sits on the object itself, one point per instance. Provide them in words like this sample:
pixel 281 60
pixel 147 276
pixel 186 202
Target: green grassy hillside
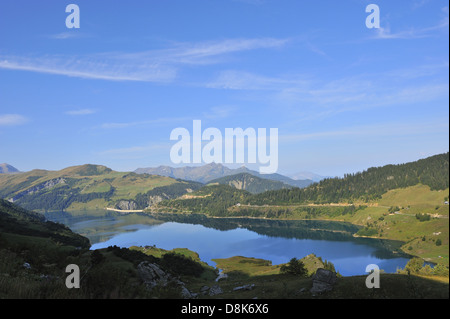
pixel 88 187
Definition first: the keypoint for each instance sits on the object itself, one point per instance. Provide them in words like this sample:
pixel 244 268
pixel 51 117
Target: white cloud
pixel 12 119
pixel 381 130
pixel 148 66
pixel 241 80
pixel 81 112
pixel 412 33
pixel 91 67
pixel 219 112
pixel 65 35
pixel 159 121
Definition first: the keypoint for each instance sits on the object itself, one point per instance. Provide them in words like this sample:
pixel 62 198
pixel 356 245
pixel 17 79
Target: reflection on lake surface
pixel 274 240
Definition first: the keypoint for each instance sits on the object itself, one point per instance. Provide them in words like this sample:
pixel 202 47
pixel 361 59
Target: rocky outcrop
pixel 323 281
pixel 155 199
pixel 152 276
pixel 126 205
pixel 46 185
pixel 211 291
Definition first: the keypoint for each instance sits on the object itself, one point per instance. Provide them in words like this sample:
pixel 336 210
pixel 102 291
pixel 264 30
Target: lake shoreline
pixel 276 240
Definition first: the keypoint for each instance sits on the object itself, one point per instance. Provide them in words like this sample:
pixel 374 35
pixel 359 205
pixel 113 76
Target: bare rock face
pixel 126 205
pixel 215 290
pixel 323 281
pixel 152 275
pixel 212 291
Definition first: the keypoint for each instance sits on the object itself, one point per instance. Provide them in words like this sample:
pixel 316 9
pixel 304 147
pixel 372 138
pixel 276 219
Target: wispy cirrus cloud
pixel 242 80
pixel 66 35
pixel 81 112
pixel 147 66
pixel 159 121
pixel 204 53
pixel 133 150
pixel 379 130
pixel 414 33
pixel 12 119
pixel 90 67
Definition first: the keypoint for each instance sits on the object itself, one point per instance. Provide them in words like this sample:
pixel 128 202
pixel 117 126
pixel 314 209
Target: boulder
pixel 204 290
pixel 152 275
pixel 323 281
pixel 215 290
pixel 186 294
pixel 244 287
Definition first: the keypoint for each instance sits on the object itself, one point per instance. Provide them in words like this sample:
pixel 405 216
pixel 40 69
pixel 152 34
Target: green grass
pixel 239 266
pixel 414 195
pixel 392 286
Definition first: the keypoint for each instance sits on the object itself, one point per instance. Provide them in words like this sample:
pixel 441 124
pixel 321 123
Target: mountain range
pixel 308 175
pixel 87 187
pixel 212 171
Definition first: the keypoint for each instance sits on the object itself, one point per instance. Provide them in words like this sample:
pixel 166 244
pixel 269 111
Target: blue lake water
pixel 277 241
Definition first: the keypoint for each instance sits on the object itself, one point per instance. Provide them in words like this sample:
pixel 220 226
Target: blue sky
pixel 343 97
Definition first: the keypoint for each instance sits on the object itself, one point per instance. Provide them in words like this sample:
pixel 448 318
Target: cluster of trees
pixel 417 266
pixel 60 198
pixel 213 200
pixel 423 217
pixel 296 267
pixel 175 190
pixel 368 185
pixel 310 212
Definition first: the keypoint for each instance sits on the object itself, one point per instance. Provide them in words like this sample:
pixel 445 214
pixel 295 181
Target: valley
pixel 405 204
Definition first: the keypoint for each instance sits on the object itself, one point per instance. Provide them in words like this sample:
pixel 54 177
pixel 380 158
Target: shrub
pixel 367 231
pixel 414 265
pixel 423 217
pixel 181 265
pixel 294 267
pixel 440 270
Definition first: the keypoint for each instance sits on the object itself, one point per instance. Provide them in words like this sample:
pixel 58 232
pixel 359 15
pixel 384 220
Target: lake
pixel 274 240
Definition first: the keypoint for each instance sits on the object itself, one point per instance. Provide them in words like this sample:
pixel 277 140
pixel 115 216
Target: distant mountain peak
pixel 212 171
pixel 5 168
pixel 307 175
pixel 87 170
